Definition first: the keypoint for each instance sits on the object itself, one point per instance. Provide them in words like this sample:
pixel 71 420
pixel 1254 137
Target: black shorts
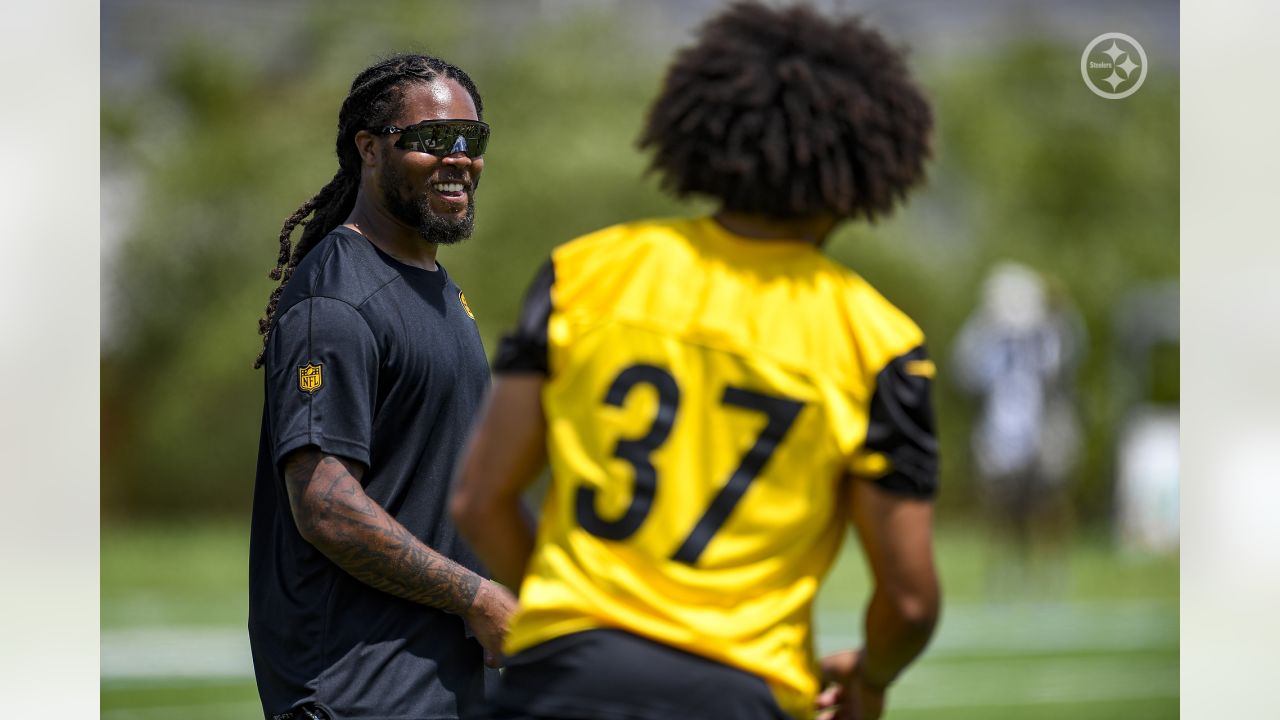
pixel 614 675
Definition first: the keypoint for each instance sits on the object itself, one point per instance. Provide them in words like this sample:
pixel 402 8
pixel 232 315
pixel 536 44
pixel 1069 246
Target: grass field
pixel 1093 636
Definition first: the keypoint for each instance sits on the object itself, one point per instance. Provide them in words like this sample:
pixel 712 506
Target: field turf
pixel 1091 635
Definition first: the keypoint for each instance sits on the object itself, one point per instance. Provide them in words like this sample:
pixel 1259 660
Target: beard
pixel 416 212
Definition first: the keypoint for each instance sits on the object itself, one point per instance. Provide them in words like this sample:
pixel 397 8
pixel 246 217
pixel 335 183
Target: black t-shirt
pixel 379 362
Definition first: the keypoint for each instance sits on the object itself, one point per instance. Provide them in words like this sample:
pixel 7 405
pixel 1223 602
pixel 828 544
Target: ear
pixel 367 145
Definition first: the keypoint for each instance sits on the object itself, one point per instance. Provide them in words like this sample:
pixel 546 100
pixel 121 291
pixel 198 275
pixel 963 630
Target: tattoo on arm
pixel 334 514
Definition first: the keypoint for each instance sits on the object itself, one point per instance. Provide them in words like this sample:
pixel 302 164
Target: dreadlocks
pixel 375 98
pixel 785 113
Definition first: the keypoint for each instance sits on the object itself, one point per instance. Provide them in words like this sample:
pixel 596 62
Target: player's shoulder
pixel 880 328
pixel 633 253
pixel 626 239
pixel 343 266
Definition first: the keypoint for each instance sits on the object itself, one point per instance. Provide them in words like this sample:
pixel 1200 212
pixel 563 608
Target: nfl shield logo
pixel 310 378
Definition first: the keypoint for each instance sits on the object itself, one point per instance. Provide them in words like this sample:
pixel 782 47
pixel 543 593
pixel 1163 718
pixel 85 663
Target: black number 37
pixel 781 412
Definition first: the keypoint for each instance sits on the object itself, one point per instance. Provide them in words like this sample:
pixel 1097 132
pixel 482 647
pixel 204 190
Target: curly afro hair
pixel 787 113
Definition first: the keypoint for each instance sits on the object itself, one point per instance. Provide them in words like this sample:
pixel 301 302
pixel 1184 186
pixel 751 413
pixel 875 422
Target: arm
pixel 334 514
pixel 897 538
pixel 507 450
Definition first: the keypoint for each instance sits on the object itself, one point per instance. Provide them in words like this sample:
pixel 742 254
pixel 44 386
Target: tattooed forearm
pixel 334 514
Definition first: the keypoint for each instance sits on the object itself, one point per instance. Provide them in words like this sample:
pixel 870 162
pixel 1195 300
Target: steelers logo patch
pixel 463 299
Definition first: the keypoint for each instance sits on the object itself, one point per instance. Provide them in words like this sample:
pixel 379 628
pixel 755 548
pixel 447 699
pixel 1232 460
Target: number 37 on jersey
pixel 674 468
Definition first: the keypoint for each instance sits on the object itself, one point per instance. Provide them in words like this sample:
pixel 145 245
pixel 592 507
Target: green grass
pixel 1136 709
pixel 174 575
pixel 1090 634
pixel 190 699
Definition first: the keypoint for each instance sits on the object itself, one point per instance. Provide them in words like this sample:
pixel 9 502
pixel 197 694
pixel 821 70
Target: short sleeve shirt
pixel 378 362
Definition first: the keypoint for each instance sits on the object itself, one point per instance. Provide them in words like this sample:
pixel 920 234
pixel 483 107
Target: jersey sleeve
pixel 524 349
pixel 900 453
pixel 322 371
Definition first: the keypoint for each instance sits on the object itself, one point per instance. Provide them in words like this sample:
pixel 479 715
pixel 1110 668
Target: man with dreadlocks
pixel 363 602
pixel 718 401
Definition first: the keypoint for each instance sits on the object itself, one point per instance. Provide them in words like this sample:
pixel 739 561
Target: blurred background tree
pixel 227 133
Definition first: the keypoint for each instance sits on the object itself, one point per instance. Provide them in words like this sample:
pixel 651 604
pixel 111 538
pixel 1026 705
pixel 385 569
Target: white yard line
pixel 1029 628
pixel 175 654
pixel 186 653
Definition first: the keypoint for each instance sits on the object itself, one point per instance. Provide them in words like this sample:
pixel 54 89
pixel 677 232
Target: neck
pixel 811 229
pixel 389 234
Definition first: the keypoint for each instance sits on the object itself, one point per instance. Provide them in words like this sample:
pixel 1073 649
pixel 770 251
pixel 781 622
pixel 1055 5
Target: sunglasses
pixel 441 137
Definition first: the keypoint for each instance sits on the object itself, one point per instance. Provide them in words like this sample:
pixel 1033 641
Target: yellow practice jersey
pixel 706 395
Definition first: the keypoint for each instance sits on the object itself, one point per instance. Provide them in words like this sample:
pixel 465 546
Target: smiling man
pixel 363 602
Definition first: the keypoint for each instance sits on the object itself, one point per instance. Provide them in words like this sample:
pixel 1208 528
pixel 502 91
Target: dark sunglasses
pixel 441 137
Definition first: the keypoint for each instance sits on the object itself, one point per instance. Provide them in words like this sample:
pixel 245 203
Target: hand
pixel 488 617
pixel 846 694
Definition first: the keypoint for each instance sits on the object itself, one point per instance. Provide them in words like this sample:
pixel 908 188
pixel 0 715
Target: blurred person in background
pixel 718 402
pixel 363 601
pixel 1017 354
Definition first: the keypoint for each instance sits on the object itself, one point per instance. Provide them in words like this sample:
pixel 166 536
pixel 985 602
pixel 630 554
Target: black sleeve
pixel 901 426
pixel 525 348
pixel 322 374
